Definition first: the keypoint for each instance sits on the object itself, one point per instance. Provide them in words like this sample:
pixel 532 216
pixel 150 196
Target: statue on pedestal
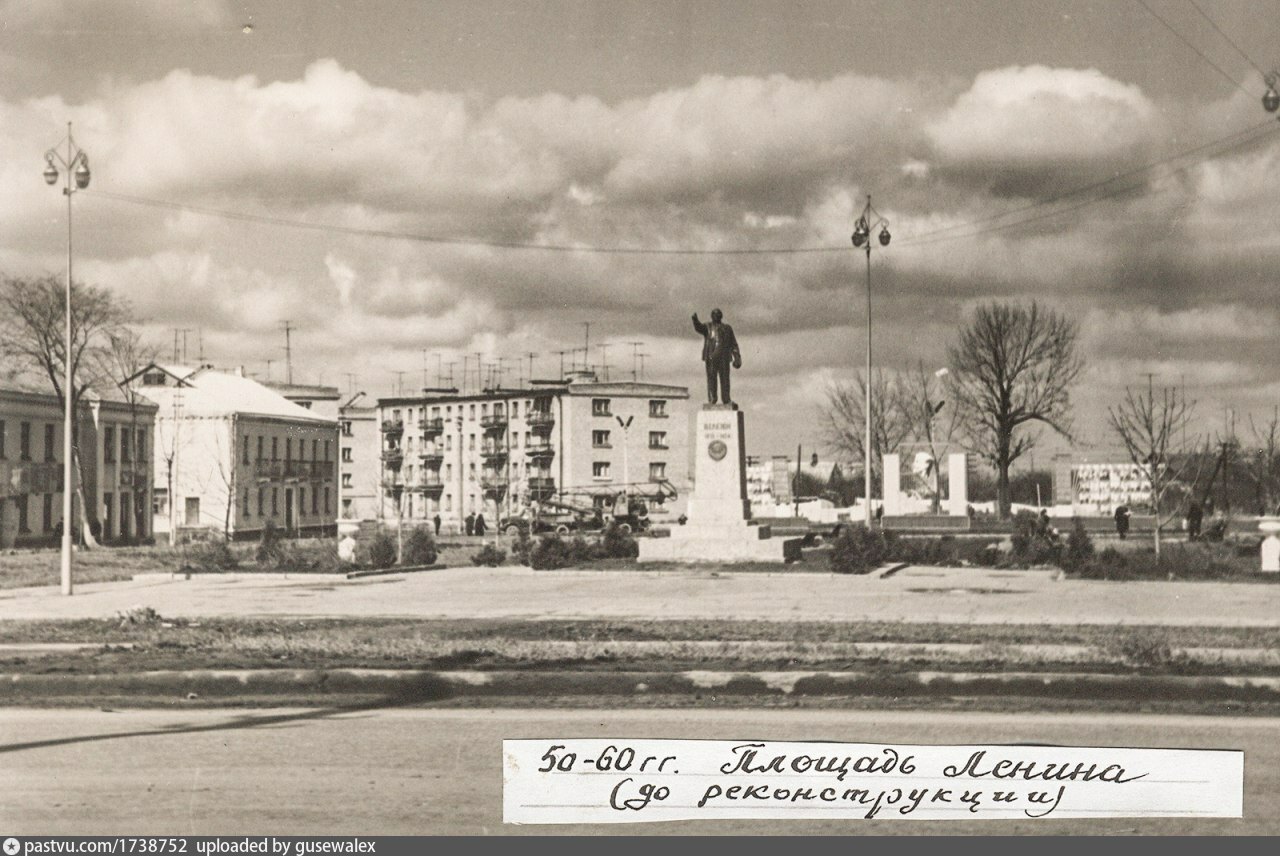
pixel 719 351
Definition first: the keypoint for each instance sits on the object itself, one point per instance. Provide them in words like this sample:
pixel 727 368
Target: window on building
pixel 346 508
pixel 346 480
pixel 262 495
pixel 346 427
pixel 657 471
pixel 108 445
pixel 346 454
pixel 315 501
pixel 448 443
pixel 448 502
pixel 657 439
pixel 260 439
pixel 126 446
pixel 192 510
pixel 327 449
pixel 515 439
pixel 46 512
pixel 245 505
pixel 244 450
pixel 24 525
pixel 288 449
pixel 305 404
pixel 600 439
pixel 600 469
pixel 448 471
pixel 515 410
pixel 326 501
pixel 471 412
pixel 50 444
pixel 395 415
pixel 153 379
pixel 1 439
pixel 658 408
pixel 471 441
pixel 275 501
pixel 315 445
pixel 484 410
pixel 275 448
pixel 142 447
pixel 600 407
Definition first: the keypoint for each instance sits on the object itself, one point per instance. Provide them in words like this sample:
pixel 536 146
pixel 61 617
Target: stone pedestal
pixel 719 527
pixel 891 485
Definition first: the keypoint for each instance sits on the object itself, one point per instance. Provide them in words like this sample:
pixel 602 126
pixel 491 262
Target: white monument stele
pixel 1270 545
pixel 719 527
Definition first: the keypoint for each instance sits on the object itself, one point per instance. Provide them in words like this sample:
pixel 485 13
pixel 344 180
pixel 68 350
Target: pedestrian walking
pixel 481 527
pixel 471 523
pixel 436 521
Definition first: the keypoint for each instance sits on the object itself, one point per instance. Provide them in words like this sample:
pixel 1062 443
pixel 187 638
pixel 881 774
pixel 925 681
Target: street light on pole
pixel 75 166
pixel 869 220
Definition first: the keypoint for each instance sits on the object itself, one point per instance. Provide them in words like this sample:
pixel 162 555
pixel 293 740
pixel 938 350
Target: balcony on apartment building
pixel 393 486
pixel 432 427
pixel 432 458
pixel 268 469
pixel 393 458
pixel 493 453
pixel 494 422
pixel 429 484
pixel 494 484
pixel 541 487
pixel 540 451
pixel 392 427
pixel 540 420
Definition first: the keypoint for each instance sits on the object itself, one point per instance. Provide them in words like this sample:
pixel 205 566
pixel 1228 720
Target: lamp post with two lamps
pixel 869 220
pixel 75 168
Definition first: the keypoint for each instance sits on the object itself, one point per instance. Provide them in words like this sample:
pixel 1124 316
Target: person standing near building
pixel 1122 521
pixel 436 521
pixel 481 527
pixel 470 522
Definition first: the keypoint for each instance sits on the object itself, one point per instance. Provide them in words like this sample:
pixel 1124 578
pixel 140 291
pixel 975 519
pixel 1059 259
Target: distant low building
pixel 232 455
pixel 113 438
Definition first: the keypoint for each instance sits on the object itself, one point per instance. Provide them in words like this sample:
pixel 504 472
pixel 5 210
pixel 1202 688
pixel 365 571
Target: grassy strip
pixel 392 632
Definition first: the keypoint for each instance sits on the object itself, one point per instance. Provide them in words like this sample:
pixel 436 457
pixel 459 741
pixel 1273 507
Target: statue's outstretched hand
pixel 737 362
pixel 695 318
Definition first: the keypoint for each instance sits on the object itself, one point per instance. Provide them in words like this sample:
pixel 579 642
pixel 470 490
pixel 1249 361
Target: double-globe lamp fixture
pixel 76 164
pixel 1271 98
pixel 868 221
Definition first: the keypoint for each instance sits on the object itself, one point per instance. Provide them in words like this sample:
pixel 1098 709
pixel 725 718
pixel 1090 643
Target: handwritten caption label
pixel 632 781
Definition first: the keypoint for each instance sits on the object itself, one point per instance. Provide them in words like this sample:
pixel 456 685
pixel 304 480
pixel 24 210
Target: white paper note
pixel 631 781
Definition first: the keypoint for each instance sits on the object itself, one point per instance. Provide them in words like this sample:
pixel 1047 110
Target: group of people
pixel 1192 522
pixel 474 524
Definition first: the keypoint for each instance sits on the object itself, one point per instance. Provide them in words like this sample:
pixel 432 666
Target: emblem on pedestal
pixel 717 450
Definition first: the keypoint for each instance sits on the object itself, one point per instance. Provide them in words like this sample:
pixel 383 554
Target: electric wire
pixel 1230 41
pixel 1191 45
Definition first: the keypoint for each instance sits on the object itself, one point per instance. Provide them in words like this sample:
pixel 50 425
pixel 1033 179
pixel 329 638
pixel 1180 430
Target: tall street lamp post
pixel 75 167
pixel 869 220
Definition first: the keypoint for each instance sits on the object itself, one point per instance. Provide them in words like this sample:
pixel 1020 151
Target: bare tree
pixel 32 334
pixel 1261 463
pixel 923 400
pixel 844 418
pixel 1151 427
pixel 1013 366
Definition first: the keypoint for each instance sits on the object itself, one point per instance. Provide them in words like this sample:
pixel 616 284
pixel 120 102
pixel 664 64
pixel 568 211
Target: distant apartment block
pixel 579 442
pixel 231 454
pixel 113 438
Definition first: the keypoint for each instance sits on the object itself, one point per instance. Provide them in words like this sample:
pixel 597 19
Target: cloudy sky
pixel 1005 143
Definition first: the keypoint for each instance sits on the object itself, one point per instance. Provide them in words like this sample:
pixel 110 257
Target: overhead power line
pixel 1191 45
pixel 1230 41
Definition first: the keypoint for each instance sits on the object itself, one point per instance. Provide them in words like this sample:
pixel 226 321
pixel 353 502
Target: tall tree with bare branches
pixel 32 318
pixel 844 419
pixel 1011 368
pixel 1151 425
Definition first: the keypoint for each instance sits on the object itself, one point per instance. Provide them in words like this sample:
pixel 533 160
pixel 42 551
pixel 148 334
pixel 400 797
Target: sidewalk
pixel 949 595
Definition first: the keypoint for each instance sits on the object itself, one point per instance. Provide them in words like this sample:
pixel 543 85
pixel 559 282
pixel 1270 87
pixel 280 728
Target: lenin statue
pixel 719 349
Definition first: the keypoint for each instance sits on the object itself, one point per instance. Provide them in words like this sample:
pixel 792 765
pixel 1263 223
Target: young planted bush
pixel 858 551
pixel 523 547
pixel 552 552
pixel 617 544
pixel 1033 544
pixel 490 556
pixel 212 556
pixel 1079 552
pixel 382 551
pixel 270 546
pixel 420 548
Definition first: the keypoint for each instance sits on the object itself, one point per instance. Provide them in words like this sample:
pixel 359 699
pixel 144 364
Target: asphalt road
pixel 421 772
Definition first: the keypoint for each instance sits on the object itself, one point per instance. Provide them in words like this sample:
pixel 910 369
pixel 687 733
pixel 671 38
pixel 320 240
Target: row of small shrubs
pixel 550 552
pixel 275 552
